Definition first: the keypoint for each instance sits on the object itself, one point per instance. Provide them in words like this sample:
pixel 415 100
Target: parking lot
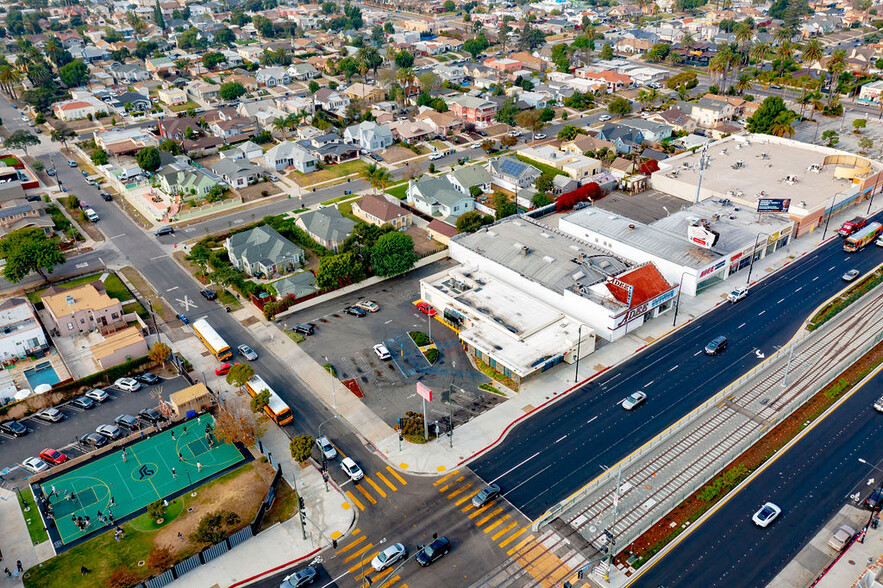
pixel 64 435
pixel 388 387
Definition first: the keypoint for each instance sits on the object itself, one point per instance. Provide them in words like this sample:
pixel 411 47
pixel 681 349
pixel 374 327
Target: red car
pixel 53 456
pixel 224 368
pixel 425 308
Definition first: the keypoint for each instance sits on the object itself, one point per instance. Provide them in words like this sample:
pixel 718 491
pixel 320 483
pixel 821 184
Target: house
pixel 82 309
pixel 130 102
pixel 161 65
pixel 232 58
pixel 234 129
pixel 450 74
pixel 710 111
pixel 176 128
pixel 437 197
pixel 204 91
pixel 366 93
pixel 172 96
pixel 871 92
pixel 674 118
pixel 478 111
pixel 127 73
pixel 512 174
pixel 441 231
pixel 633 46
pixel 625 139
pixel 577 166
pixel 463 179
pixel 614 81
pixel 186 182
pixel 411 131
pixel 529 61
pixel 502 64
pixel 290 154
pixel 238 173
pixel 272 76
pixel 302 71
pixel 79 109
pixel 119 347
pixel 262 252
pixel 441 122
pixel 652 132
pixel 19 214
pixel 327 226
pixel 330 100
pixel 379 211
pixel 20 331
pixel 369 136
pixel 247 151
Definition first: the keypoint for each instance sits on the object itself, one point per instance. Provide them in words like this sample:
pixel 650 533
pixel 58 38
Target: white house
pixel 330 101
pixel 291 154
pixel 20 331
pixel 272 76
pixel 369 135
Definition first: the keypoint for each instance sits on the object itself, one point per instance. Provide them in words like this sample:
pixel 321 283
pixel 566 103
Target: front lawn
pixel 32 517
pixel 398 191
pixel 546 169
pixel 328 173
pixel 114 285
pixel 183 107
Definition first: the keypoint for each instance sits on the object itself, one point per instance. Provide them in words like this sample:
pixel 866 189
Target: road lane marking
pixel 673 369
pixel 504 530
pixel 524 542
pixel 780 301
pixel 354 499
pixel 389 582
pixel 361 565
pixel 366 495
pixel 445 488
pixel 697 353
pixel 514 536
pixel 385 481
pixel 396 476
pixel 118 236
pixel 815 278
pixel 515 468
pixel 172 289
pixel 479 511
pixel 740 326
pixel 761 312
pixel 561 439
pixel 465 498
pixel 376 487
pixel 798 290
pixel 591 419
pixel 358 552
pixel 452 474
pixel 830 269
pixel 158 257
pixel 496 523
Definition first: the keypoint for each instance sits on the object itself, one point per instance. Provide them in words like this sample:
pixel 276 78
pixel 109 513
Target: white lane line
pixel 815 278
pixel 697 353
pixel 560 439
pixel 761 312
pixel 175 288
pixel 740 326
pixel 515 468
pixel 158 257
pixel 334 581
pixel 780 301
pixel 673 369
pixel 798 290
pixel 591 419
pixel 830 269
pixel 648 383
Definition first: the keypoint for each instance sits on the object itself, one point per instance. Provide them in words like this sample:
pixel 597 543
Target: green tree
pixel 171 146
pixel 224 37
pixel 388 28
pixel 763 120
pixel 21 139
pixel 98 156
pixel 260 400
pixel 567 133
pixel 313 86
pixel 29 250
pixel 239 374
pixel 658 52
pixel 62 134
pixel 830 137
pixel 503 207
pixel 231 90
pixel 475 46
pixel 213 59
pixel 620 106
pixel 449 6
pixel 75 73
pixel 148 159
pixel 157 16
pixel 858 124
pixel 507 111
pixel 540 199
pixel 606 52
pixel 544 183
pixel 339 270
pixel 301 448
pixel 471 221
pixel 393 254
pixel 404 59
pixel 865 144
pixel 213 526
pixel 508 141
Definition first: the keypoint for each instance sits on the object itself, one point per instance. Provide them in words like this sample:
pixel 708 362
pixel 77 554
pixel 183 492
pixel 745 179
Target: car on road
pixel 112 432
pixel 352 469
pixel 382 352
pixel 53 456
pixel 128 384
pixel 304 328
pixel 435 156
pixel 14 428
pixel 539 136
pixel 633 400
pixel 91 215
pixel 167 230
pixel 766 514
pixel 738 294
pixel 247 352
pixel 355 311
pixel 127 421
pixel 326 448
pixel 182 318
pixel 388 556
pixel 148 378
pixel 50 415
pixel 874 501
pixel 435 550
pixel 425 308
pixel 50 172
pixel 878 406
pixel 514 133
pixel 841 538
pixel 850 275
pixel 35 465
pixel 83 402
pixel 224 369
pixel 208 294
pixel 95 440
pixel 486 494
pixel 107 197
pixel 716 346
pixel 150 415
pixel 71 163
pixel 368 305
pixel 303 577
pixel 604 118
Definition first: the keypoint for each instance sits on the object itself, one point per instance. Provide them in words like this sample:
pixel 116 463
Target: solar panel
pixel 511 167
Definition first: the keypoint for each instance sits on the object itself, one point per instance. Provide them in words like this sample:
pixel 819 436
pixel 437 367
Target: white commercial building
pixel 20 331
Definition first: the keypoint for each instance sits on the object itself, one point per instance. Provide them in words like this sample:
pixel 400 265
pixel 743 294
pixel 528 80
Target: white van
pixel 91 215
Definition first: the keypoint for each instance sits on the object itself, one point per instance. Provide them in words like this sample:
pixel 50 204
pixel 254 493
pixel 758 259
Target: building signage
pixel 702 236
pixel 424 392
pixel 644 308
pixel 735 257
pixel 773 204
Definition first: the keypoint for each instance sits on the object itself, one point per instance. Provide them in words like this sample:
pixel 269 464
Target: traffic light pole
pixel 303 514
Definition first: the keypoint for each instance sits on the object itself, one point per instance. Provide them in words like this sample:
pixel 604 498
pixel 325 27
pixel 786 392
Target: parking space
pixel 64 435
pixel 388 387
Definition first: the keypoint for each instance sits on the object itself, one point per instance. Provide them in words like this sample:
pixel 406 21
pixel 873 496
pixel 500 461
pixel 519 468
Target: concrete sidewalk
pixel 16 544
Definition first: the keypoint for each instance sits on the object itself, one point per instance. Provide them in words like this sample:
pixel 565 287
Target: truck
pixel 857 241
pixel 851 226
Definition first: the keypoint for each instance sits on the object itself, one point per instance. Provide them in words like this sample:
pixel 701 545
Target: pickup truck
pixel 851 226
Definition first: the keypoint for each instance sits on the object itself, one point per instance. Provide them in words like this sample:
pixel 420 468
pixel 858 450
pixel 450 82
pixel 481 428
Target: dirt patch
pixel 497 129
pixel 423 245
pixel 249 321
pixel 145 293
pixel 258 191
pixel 397 153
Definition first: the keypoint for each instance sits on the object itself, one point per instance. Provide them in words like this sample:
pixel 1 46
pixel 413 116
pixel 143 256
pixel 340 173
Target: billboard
pixel 424 392
pixel 702 236
pixel 773 204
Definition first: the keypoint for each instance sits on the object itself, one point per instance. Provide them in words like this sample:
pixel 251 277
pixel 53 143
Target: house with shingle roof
pixel 291 154
pixel 436 196
pixel 379 211
pixel 327 226
pixel 263 252
pixel 463 179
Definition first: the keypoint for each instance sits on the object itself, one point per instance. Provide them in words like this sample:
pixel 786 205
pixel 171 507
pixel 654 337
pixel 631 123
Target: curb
pixel 279 567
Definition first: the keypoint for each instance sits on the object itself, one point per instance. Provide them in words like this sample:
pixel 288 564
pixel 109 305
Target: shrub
pixel 123 577
pixel 420 338
pixel 156 510
pixel 301 448
pixel 160 558
pixel 213 527
pixel 412 427
pixel 431 355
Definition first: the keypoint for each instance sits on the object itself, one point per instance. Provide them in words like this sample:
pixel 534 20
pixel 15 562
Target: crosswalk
pixel 371 488
pixel 357 554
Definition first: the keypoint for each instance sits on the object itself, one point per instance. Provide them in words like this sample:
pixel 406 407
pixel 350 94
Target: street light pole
pixel 828 220
pixel 579 340
pixel 753 255
pixel 874 191
pixel 678 300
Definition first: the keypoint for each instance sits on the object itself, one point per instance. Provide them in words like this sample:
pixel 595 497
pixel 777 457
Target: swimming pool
pixel 42 373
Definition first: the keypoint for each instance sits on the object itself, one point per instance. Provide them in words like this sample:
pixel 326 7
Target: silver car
pixel 388 556
pixel 52 415
pixel 633 400
pixel 247 352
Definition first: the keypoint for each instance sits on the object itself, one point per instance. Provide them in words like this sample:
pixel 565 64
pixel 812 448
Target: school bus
pixel 276 409
pixel 212 341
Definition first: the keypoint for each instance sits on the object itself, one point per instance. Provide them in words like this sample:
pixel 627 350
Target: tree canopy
pixel 21 139
pixel 231 90
pixel 75 73
pixel 770 113
pixel 404 59
pixel 148 159
pixel 471 221
pixel 393 254
pixel 29 250
pixel 619 106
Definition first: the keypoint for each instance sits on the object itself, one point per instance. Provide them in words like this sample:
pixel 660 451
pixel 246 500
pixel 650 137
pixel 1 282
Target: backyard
pixel 328 173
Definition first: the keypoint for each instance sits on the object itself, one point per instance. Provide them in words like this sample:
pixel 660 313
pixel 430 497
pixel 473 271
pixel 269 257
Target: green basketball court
pixel 128 480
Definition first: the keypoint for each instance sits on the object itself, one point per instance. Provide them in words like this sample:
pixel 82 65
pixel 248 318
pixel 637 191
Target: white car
pixel 841 538
pixel 738 294
pixel 766 515
pixel 435 156
pixel 326 448
pixel 539 136
pixel 35 465
pixel 247 352
pixel 878 406
pixel 382 352
pixel 128 384
pixel 388 556
pixel 97 394
pixel 633 400
pixel 850 275
pixel 604 118
pixel 352 469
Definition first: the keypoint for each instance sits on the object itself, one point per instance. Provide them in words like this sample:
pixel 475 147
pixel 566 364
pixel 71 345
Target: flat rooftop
pixel 744 168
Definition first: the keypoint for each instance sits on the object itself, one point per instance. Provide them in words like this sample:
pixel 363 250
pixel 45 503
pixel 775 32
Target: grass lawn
pixel 346 209
pixel 330 172
pixel 136 307
pixel 114 285
pixel 32 517
pixel 227 299
pixel 183 107
pixel 441 58
pixel 398 191
pixel 439 145
pixel 338 199
pixel 546 169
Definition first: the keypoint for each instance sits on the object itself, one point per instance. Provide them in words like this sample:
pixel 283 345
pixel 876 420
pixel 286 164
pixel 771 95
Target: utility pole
pixel 303 514
pixel 579 340
pixel 788 367
pixel 611 532
pixel 703 165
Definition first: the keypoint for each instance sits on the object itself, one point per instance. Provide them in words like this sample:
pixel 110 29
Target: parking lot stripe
pixel 513 536
pixel 482 521
pixel 504 530
pixel 496 523
pixel 396 476
pixel 356 554
pixel 461 489
pixel 465 498
pixel 366 495
pixel 376 487
pixel 353 498
pixel 524 542
pixel 452 474
pixel 385 481
pixel 351 544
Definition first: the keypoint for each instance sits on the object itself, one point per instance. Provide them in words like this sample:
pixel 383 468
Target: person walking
pixel 53 493
pixel 198 467
pixel 100 516
pixel 116 536
pixel 180 457
pixel 8 573
pixel 19 566
pixel 184 431
pixel 112 501
pixel 174 475
pixel 173 435
pixel 123 455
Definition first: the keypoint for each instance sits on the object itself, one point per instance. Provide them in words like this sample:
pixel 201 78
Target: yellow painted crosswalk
pixel 372 488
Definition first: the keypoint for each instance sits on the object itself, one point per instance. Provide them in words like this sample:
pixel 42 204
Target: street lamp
pixel 579 340
pixel 753 255
pixel 678 300
pixel 828 220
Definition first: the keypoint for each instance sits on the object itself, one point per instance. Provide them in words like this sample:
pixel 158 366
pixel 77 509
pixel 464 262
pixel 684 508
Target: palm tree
pixel 760 52
pixel 390 53
pixel 784 34
pixel 606 155
pixel 62 134
pixel 743 84
pixel 9 77
pixel 674 58
pixel 782 125
pixel 377 176
pixel 812 52
pixel 688 39
pixel 280 124
pixel 744 34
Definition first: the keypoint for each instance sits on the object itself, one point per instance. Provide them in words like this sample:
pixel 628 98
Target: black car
pixel 14 428
pixel 435 550
pixel 208 294
pixel 304 329
pixel 716 346
pixel 302 578
pixel 83 402
pixel 147 378
pixel 375 157
pixel 127 421
pixel 875 500
pixel 151 415
pixel 34 198
pixel 355 311
pixel 167 230
pixel 93 440
pixel 106 197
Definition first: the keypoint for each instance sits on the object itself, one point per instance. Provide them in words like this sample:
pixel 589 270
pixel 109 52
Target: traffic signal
pixel 300 503
pixel 325 475
pixel 401 437
pixel 580 574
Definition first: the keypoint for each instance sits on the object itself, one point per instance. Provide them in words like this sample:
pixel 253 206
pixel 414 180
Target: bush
pixel 431 355
pixel 160 558
pixel 723 482
pixel 123 577
pixel 412 427
pixel 213 527
pixel 420 338
pixel 156 510
pixel 301 448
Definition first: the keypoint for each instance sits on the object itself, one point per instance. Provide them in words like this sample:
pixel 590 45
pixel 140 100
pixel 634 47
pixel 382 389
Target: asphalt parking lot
pixel 64 434
pixel 389 387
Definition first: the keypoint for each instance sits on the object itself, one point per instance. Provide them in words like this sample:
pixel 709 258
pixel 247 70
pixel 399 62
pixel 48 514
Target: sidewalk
pixel 16 543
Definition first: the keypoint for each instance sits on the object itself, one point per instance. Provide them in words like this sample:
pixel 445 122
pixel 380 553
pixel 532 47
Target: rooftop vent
pixel 525 250
pixel 548 259
pixel 69 299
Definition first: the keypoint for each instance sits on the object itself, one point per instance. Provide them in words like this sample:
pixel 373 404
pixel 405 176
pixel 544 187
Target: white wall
pixel 15 344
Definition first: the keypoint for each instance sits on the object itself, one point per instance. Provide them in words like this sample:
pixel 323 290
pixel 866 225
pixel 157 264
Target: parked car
pixel 247 352
pixel 94 440
pixel 35 465
pixel 351 469
pixel 167 230
pixel 208 294
pixel 112 432
pixel 368 305
pixel 53 456
pixel 127 421
pixel 738 294
pixel 182 318
pixel 224 369
pixel 151 415
pixel 382 352
pixel 604 118
pixel 303 577
pixel 841 538
pixel 355 311
pixel 435 550
pixel 716 345
pixel 485 495
pixel 83 402
pixel 71 163
pixel 766 515
pixel 91 215
pixel 435 156
pixel 304 328
pixel 850 275
pixel 375 157
pixel 539 136
pixel 148 378
pixel 878 406
pixel 14 428
pixel 388 556
pixel 50 172
pixel 633 400
pixel 128 384
pixel 425 308
pixel 874 501
pixel 326 448
pixel 50 415
pixel 107 198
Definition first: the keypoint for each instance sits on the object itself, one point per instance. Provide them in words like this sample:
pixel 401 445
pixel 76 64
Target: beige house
pixel 379 211
pixel 367 93
pixel 172 96
pixel 83 309
pixel 119 347
pixel 577 166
